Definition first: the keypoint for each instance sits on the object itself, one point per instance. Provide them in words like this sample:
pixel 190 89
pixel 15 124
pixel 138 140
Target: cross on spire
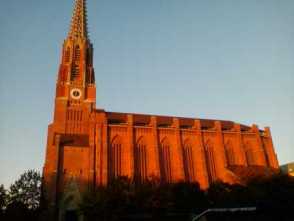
pixel 78 28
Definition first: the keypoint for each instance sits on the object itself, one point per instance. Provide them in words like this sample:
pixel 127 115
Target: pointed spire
pixel 78 28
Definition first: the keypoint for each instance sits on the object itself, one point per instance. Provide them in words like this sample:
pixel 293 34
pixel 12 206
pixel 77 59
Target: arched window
pixel 77 53
pixel 165 161
pixel 188 161
pixel 75 72
pixel 115 158
pixel 140 160
pixel 67 54
pixel 230 155
pixel 249 154
pixel 210 161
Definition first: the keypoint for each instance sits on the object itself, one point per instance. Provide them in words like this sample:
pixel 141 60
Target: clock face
pixel 76 93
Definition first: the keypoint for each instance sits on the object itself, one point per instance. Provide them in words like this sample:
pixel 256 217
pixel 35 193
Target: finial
pixel 78 28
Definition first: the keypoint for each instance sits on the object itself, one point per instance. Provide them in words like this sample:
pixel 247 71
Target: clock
pixel 76 93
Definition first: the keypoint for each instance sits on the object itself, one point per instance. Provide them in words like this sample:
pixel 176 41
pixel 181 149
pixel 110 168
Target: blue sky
pixel 231 60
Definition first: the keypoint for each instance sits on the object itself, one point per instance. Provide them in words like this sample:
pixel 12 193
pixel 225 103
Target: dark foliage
pixel 123 199
pixel 27 189
pixel 22 200
pixel 3 197
pixel 19 211
pixel 3 200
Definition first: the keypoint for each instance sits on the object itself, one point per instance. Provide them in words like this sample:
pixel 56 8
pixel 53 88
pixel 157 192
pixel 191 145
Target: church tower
pixel 75 88
pixel 66 168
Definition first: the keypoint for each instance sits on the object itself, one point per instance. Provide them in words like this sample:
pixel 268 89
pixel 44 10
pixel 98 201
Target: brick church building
pixel 87 147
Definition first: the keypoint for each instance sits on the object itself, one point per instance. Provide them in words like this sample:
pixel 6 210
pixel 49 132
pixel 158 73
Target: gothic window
pixel 249 154
pixel 75 72
pixel 266 153
pixel 115 158
pixel 188 161
pixel 140 160
pixel 165 161
pixel 229 150
pixel 67 54
pixel 77 53
pixel 210 161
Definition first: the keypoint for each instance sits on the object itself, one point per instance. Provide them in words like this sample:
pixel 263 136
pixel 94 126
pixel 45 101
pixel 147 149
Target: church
pixel 89 146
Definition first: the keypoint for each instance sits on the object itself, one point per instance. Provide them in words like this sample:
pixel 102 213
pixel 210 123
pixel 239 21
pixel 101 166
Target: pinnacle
pixel 78 28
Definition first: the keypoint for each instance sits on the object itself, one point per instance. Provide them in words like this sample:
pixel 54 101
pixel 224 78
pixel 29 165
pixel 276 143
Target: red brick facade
pixel 92 146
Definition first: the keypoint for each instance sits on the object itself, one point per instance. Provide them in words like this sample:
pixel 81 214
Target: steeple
pixel 75 87
pixel 78 28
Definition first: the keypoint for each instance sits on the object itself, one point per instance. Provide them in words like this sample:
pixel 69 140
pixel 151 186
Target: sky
pixel 227 60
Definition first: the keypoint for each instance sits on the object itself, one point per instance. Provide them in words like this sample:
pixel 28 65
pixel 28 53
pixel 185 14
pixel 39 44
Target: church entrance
pixel 71 215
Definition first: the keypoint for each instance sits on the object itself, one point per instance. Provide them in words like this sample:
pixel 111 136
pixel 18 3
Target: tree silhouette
pixel 26 190
pixel 187 197
pixel 3 199
pixel 124 199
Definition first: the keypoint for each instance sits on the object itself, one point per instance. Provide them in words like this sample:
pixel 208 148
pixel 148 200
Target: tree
pixel 123 198
pixel 27 190
pixel 94 204
pixel 218 193
pixel 110 202
pixel 187 197
pixel 3 198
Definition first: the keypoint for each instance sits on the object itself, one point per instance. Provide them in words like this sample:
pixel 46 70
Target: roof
pixel 145 119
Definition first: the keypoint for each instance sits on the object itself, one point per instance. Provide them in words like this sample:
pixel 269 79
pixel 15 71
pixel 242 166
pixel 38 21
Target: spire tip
pixel 79 26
